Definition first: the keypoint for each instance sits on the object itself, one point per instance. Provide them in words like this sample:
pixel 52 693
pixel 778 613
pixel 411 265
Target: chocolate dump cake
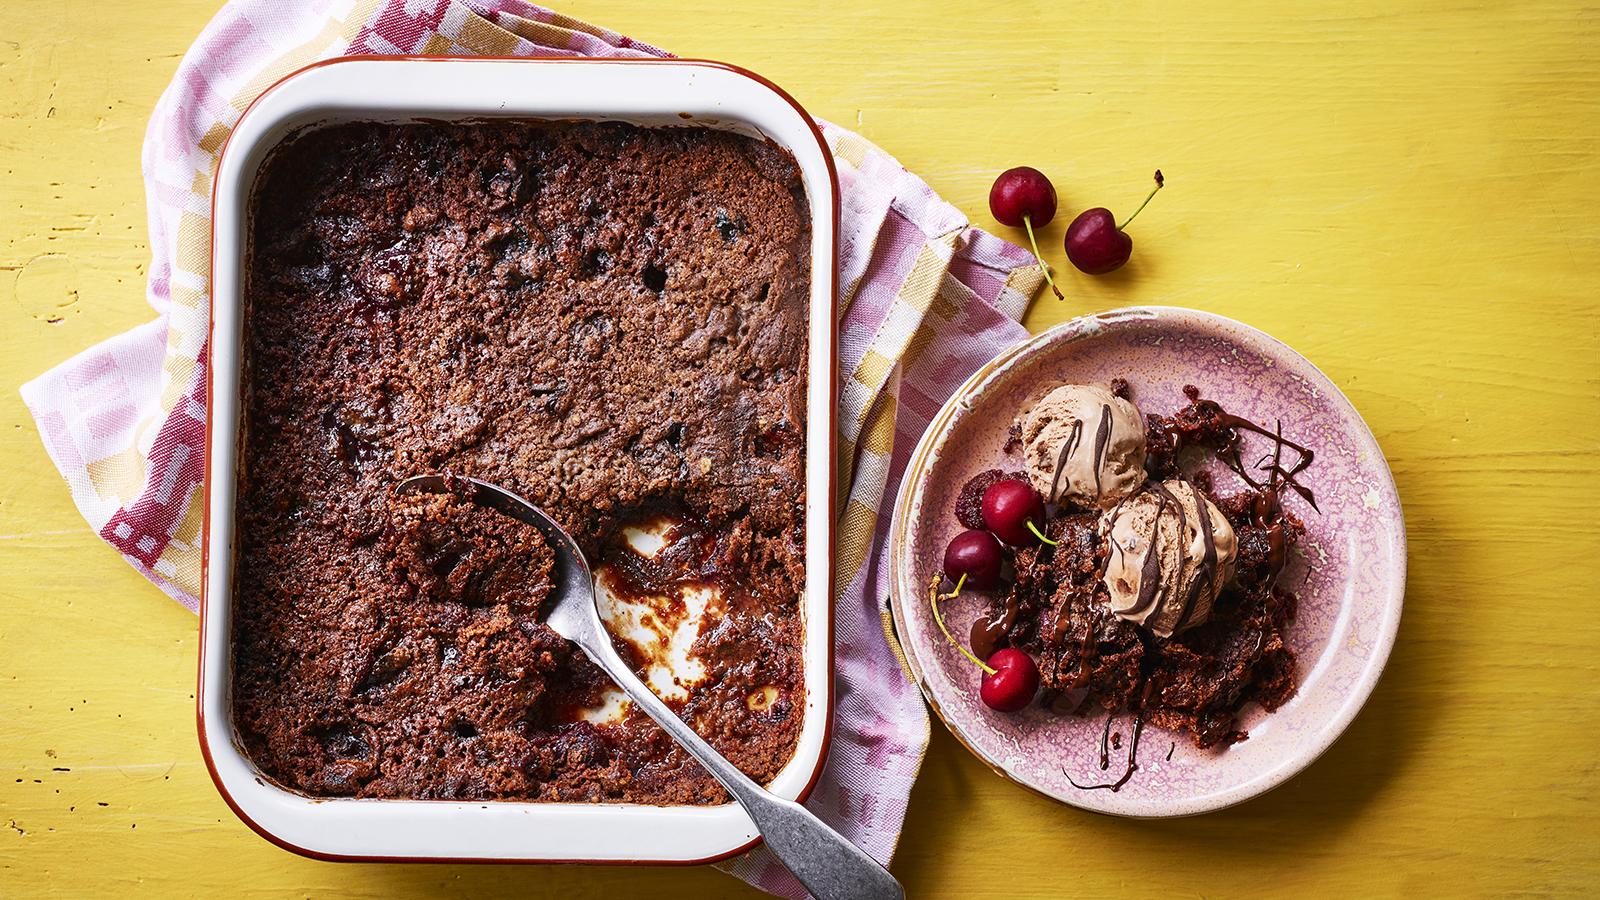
pixel 608 320
pixel 1138 586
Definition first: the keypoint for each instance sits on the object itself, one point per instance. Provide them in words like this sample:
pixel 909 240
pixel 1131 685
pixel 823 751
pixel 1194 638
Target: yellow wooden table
pixel 1407 197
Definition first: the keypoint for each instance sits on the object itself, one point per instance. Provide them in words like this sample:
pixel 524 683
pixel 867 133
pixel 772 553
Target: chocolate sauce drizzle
pixel 1150 568
pixel 1267 512
pixel 988 630
pixel 1105 760
pixel 1086 645
pixel 1102 437
pixel 1208 561
pixel 1067 448
pixel 1278 476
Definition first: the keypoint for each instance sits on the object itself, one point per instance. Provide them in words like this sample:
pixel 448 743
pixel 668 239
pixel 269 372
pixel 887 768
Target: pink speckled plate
pixel 1352 565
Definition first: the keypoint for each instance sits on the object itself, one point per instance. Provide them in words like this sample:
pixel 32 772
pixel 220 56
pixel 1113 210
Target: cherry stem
pixel 1040 535
pixel 1027 222
pixel 1160 183
pixel 933 601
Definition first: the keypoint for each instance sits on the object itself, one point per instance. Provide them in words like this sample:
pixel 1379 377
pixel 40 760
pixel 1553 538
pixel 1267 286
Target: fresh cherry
pixel 1010 677
pixel 1011 684
pixel 1021 194
pixel 973 560
pixel 1023 198
pixel 1014 511
pixel 1096 244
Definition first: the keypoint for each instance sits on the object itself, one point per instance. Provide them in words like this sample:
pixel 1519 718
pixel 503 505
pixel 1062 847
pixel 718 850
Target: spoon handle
pixel 828 865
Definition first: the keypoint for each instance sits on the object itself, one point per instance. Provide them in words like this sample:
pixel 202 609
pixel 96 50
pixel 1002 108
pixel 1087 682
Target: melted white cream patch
pixel 648 540
pixel 613 707
pixel 661 628
pixel 662 634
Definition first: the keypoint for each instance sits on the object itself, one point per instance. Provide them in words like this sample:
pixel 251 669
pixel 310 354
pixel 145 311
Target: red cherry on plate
pixel 1013 682
pixel 1010 677
pixel 1014 511
pixel 976 555
pixel 1024 198
pixel 1096 244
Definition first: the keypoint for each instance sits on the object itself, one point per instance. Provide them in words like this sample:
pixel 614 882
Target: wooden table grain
pixel 1406 195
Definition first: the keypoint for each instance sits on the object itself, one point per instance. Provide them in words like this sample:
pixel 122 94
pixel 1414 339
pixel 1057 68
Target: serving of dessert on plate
pixel 1149 562
pixel 1139 584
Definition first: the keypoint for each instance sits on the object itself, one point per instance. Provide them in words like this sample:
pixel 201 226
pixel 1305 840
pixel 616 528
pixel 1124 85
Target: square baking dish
pixel 658 93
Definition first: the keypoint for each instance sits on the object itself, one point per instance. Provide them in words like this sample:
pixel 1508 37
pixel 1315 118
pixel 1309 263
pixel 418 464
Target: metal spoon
pixel 828 865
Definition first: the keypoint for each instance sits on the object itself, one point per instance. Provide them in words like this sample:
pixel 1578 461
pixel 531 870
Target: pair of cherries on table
pixel 1013 512
pixel 1023 197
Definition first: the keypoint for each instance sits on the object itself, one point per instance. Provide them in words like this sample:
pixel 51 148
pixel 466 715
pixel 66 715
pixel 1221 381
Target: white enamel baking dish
pixel 645 92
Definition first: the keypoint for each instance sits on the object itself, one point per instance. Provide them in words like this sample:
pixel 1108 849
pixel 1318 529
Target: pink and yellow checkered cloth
pixel 927 299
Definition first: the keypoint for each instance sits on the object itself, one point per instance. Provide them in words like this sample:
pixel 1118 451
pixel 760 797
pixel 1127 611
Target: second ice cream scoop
pixel 1172 550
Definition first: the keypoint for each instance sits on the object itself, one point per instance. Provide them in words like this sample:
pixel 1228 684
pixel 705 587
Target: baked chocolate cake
pixel 608 320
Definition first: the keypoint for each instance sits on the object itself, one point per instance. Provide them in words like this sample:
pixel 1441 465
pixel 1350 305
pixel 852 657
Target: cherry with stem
pixel 1096 244
pixel 1023 197
pixel 1013 510
pixel 974 556
pixel 1010 677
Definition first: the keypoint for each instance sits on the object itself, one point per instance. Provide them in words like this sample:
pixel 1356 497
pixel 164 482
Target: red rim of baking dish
pixel 832 487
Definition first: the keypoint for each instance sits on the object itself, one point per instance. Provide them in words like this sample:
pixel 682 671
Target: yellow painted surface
pixel 1409 197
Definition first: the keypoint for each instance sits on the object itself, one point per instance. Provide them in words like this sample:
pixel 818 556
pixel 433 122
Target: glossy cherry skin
pixel 1014 682
pixel 975 554
pixel 1008 507
pixel 1023 191
pixel 1094 243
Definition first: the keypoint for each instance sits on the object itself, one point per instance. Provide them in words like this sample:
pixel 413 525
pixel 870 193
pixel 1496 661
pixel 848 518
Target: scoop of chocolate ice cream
pixel 1172 550
pixel 1084 445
